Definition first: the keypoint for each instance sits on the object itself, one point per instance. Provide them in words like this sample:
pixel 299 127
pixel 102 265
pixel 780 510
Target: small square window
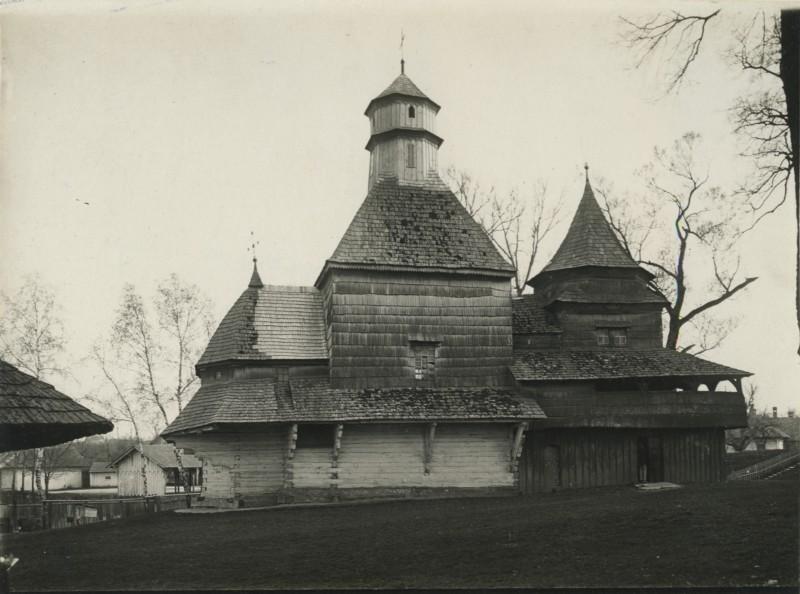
pixel 424 354
pixel 619 336
pixel 602 336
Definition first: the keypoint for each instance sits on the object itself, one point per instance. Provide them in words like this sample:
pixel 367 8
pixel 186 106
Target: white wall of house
pixel 773 444
pixel 60 479
pixel 107 478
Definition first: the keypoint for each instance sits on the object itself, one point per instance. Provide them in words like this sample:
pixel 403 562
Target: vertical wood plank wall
pixel 131 482
pixel 602 457
pixel 373 316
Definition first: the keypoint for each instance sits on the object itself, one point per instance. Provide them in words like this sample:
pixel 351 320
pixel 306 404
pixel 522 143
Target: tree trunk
pixel 790 75
pixel 672 334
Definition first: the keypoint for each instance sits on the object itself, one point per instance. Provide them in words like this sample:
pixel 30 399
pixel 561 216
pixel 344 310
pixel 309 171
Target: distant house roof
pixel 789 425
pixel 66 457
pixel 314 400
pixel 530 316
pixel 402 85
pixel 417 227
pixel 270 322
pixel 614 364
pixel 102 467
pixel 163 455
pixel 590 241
pixel 34 414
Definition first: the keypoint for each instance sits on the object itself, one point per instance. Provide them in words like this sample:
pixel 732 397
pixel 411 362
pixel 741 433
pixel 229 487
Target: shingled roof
pixel 34 414
pixel 530 317
pixel 161 454
pixel 590 240
pixel 416 227
pixel 614 364
pixel 264 400
pixel 270 322
pixel 402 85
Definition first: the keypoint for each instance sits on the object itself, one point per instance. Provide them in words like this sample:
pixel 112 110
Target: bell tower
pixel 403 143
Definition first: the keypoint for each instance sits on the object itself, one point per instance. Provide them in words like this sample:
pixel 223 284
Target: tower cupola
pixel 403 143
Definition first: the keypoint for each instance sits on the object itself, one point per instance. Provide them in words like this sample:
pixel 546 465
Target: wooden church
pixel 408 369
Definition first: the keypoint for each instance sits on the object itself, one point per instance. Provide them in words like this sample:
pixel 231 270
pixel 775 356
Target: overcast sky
pixel 185 126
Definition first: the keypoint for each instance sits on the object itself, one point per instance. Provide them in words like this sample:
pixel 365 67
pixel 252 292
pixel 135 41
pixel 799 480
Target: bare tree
pixel 516 226
pixel 687 222
pixel 769 48
pixel 31 331
pixel 148 359
pixel 32 338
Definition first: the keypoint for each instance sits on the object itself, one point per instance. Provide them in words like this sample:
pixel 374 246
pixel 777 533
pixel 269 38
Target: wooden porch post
pixel 288 467
pixel 337 446
pixel 516 447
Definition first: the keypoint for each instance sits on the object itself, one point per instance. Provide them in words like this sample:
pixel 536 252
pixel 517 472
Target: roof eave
pixel 389 96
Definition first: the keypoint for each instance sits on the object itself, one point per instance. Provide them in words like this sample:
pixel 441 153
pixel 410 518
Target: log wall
pixel 373 317
pixel 239 463
pixel 388 456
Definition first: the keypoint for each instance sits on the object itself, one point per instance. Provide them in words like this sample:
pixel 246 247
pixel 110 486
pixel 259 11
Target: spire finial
pixel 586 168
pixel 255 279
pixel 402 57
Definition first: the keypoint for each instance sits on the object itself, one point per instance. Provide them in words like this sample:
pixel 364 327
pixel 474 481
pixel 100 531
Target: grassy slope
pixel 734 533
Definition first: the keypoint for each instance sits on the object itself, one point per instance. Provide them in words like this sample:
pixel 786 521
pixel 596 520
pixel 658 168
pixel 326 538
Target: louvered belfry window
pixel 410 156
pixel 424 354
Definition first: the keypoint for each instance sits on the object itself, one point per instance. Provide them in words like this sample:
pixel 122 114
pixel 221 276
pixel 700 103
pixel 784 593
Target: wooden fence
pixel 63 513
pixel 766 468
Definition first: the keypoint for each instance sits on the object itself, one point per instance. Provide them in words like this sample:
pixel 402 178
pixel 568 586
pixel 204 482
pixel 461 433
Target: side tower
pixel 595 290
pixel 415 294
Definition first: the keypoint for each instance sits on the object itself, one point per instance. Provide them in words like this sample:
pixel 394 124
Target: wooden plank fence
pixel 64 513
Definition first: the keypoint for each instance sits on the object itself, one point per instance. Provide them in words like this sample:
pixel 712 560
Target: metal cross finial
pixel 253 244
pixel 402 57
pixel 586 167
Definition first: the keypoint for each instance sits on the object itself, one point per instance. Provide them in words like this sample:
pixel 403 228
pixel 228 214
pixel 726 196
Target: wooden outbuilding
pixel 157 464
pixel 407 368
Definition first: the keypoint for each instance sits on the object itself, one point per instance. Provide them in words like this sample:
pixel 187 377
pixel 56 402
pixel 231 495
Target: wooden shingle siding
pixel 240 463
pixel 643 327
pixel 374 316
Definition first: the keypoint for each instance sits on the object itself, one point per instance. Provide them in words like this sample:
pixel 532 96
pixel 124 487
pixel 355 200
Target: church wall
pixel 374 316
pixel 579 324
pixel 556 459
pixel 239 463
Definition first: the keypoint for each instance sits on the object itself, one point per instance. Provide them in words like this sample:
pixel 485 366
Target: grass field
pixel 742 533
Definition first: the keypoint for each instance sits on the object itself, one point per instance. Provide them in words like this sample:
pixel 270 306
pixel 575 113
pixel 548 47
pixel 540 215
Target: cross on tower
pixel 253 244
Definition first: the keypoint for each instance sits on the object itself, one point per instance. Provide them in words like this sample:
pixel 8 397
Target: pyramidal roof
pixel 590 241
pixel 270 322
pixel 416 226
pixel 403 85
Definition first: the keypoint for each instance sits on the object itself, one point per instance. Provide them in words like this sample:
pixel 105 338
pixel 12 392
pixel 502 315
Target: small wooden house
pixel 407 368
pixel 157 465
pixel 102 475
